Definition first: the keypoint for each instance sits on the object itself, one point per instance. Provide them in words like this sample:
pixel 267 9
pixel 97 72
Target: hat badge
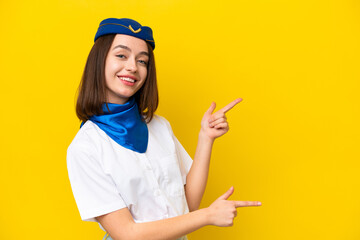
pixel 134 31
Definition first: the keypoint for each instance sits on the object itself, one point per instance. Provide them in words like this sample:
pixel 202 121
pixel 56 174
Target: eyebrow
pixel 127 48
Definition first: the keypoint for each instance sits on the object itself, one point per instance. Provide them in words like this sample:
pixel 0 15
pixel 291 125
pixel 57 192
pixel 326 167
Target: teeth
pixel 127 79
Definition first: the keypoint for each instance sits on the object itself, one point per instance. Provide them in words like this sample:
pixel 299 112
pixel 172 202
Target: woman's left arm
pixel 213 125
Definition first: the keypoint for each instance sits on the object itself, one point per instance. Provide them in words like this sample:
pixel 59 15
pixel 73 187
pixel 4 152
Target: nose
pixel 131 65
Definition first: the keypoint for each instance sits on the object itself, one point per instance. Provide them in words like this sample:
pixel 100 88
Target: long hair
pixel 92 88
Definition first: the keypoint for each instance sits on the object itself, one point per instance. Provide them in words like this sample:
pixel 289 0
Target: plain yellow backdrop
pixel 293 142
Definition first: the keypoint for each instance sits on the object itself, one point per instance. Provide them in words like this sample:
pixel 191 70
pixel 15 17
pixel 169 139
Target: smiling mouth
pixel 127 79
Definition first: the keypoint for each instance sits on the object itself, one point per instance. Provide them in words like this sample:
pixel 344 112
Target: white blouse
pixel 105 176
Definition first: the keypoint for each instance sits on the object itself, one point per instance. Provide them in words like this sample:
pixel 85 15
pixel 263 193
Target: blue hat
pixel 125 26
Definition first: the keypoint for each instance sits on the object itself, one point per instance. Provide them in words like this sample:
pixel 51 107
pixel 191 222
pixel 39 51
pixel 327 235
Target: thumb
pixel 211 108
pixel 227 194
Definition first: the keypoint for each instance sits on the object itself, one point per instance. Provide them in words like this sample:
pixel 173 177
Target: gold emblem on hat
pixel 134 31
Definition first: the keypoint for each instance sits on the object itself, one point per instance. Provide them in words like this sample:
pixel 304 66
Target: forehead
pixel 130 41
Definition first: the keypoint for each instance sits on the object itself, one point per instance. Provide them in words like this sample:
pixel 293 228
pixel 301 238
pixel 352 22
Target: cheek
pixel 111 67
pixel 144 74
pixel 142 84
pixel 110 72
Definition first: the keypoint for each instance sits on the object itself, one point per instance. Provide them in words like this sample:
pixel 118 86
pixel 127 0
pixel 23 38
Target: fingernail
pixel 259 203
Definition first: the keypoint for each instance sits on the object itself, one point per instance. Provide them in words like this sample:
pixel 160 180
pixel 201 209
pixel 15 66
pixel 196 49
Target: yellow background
pixel 293 142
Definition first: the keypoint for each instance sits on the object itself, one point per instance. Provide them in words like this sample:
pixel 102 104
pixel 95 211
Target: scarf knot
pixel 124 124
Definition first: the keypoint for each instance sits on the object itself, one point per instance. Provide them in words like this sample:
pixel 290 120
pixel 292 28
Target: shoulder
pixel 158 118
pixel 86 139
pixel 160 122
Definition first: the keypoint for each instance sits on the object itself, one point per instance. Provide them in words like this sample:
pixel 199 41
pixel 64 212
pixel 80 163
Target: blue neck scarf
pixel 124 125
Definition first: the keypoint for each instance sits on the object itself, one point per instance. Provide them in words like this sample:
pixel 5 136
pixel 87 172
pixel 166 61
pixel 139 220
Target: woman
pixel 127 170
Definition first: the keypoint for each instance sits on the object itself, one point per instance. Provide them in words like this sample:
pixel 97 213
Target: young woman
pixel 127 170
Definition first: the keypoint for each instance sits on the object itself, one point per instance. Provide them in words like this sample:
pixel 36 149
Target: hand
pixel 214 125
pixel 222 211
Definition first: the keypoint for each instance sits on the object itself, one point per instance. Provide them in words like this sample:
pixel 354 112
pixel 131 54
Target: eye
pixel 120 56
pixel 143 62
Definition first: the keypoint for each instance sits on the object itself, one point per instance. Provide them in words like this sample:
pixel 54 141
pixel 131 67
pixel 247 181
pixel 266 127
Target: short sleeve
pixel 185 160
pixel 94 191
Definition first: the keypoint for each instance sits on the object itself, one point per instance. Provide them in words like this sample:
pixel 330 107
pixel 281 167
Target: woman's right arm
pixel 120 224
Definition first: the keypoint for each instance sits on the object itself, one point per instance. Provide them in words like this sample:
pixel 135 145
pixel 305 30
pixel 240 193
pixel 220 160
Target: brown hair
pixel 92 88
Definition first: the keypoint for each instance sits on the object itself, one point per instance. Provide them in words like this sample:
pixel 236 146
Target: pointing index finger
pixel 230 105
pixel 247 204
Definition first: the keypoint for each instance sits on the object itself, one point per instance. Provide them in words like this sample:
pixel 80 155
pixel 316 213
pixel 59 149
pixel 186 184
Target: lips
pixel 127 81
pixel 127 78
